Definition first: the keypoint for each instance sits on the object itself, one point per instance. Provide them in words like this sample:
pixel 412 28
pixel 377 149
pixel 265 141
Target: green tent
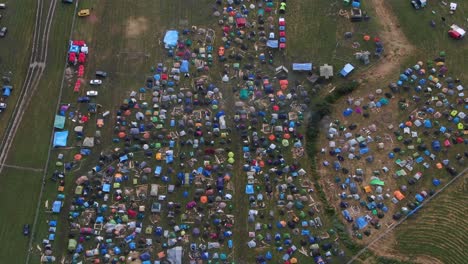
pixel 59 122
pixel 377 182
pixel 72 244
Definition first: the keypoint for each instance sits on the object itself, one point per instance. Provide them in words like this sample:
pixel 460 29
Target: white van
pixel 2 6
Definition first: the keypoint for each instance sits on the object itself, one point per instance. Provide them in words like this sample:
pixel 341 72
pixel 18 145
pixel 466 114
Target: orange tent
pixel 287 136
pixel 439 165
pixel 399 195
pixel 78 157
pixel 271 137
pixel 161 255
pixel 368 189
pixel 366 37
pixel 122 134
pixel 409 123
pixel 204 199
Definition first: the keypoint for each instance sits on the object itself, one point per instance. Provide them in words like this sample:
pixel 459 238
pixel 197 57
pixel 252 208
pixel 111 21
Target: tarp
pixel 171 38
pixel 272 43
pixel 347 69
pixel 60 139
pixel 377 182
pixel 59 122
pixel 302 66
pixel 184 67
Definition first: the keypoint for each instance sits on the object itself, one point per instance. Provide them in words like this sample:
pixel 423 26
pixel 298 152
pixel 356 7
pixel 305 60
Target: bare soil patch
pixel 136 26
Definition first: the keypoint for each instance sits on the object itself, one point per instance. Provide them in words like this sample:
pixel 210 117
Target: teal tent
pixel 59 122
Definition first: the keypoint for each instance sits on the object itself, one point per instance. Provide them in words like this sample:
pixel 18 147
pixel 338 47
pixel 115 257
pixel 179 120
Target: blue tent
pixel 56 207
pixel 436 145
pixel 347 69
pixel 7 91
pixel 60 139
pixel 302 66
pixel 249 189
pixel 436 182
pixel 184 66
pixel 171 38
pixel 419 197
pixel 427 123
pixel 361 222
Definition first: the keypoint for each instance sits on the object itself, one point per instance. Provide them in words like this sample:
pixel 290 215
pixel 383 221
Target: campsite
pixel 227 131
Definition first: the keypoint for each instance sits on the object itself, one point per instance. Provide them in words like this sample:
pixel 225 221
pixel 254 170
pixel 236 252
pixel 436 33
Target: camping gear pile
pixel 426 147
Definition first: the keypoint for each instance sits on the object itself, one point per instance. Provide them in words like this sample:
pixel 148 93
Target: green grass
pixel 428 40
pixel 15 51
pixel 32 139
pixel 438 230
pixel 20 190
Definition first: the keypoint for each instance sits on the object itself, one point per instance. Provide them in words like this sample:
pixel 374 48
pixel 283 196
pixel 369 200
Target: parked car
pixel 67 1
pixel 92 93
pixel 2 6
pixel 95 82
pixel 102 74
pixel 3 32
pixel 84 99
pixel 26 230
pixel 83 12
pixel 3 106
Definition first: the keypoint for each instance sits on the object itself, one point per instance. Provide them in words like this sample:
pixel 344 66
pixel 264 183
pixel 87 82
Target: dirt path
pixel 395 42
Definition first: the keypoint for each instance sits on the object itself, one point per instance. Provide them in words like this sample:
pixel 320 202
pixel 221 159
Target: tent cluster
pixel 434 127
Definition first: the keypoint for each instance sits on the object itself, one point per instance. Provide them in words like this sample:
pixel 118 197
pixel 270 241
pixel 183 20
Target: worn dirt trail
pixel 396 44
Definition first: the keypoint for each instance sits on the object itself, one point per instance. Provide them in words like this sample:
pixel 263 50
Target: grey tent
pixel 88 142
pixel 174 255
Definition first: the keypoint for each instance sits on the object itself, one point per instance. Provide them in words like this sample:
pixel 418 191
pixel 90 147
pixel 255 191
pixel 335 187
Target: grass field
pixel 428 40
pixel 439 230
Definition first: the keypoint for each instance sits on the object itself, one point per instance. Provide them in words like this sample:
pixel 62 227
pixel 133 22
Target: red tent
pixel 71 57
pixel 131 213
pixel 81 71
pixel 79 42
pixel 240 21
pixel 81 58
pixel 282 22
pixel 282 45
pixel 77 86
pixel 164 76
pixel 282 33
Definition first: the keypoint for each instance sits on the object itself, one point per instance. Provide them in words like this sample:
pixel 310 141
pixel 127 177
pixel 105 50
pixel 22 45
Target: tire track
pixel 36 68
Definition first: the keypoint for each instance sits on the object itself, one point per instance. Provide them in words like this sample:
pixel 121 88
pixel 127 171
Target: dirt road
pixel 396 44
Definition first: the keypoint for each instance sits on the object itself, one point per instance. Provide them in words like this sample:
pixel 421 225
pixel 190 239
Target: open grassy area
pixel 416 26
pixel 15 51
pixel 20 187
pixel 439 230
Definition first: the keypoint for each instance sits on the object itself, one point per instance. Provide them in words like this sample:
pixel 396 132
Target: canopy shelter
pixel 302 66
pixel 326 71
